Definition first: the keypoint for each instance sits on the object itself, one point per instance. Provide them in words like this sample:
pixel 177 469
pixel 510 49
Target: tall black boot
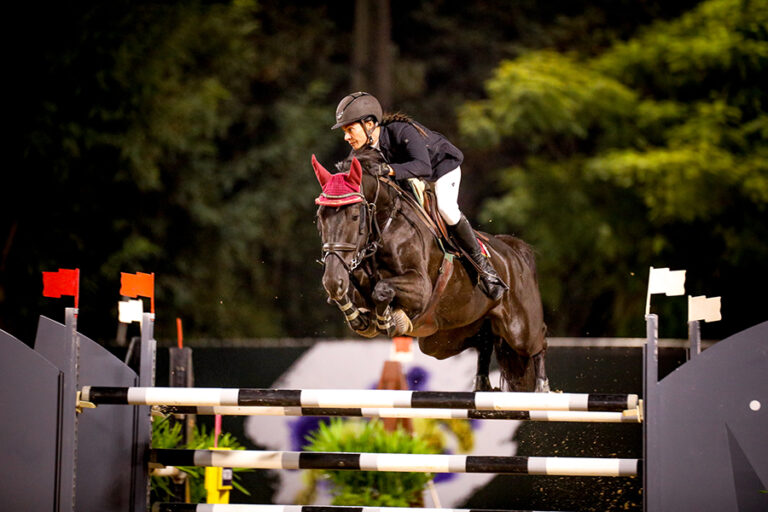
pixel 490 282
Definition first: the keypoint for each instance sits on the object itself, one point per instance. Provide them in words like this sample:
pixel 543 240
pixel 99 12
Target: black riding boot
pixel 490 282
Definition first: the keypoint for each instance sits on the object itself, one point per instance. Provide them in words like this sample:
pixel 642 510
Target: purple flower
pixel 301 428
pixel 417 378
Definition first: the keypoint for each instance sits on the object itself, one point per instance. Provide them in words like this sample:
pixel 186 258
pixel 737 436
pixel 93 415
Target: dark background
pixel 175 138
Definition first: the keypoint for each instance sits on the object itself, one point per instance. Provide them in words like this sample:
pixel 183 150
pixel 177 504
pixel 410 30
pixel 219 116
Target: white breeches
pixel 447 193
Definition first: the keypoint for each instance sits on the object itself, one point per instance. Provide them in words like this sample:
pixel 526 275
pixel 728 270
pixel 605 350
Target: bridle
pixel 370 239
pixel 365 247
pixel 370 234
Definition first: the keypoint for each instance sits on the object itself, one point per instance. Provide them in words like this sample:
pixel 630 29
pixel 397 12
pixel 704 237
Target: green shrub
pixel 370 488
pixel 167 435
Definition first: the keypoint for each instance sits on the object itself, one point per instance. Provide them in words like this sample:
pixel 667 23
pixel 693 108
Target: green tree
pixel 652 153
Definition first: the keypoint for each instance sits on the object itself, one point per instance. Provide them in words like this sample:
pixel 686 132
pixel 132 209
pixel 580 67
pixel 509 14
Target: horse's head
pixel 343 220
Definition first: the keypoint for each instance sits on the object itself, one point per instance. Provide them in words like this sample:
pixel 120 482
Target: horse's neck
pixel 382 194
pixel 393 202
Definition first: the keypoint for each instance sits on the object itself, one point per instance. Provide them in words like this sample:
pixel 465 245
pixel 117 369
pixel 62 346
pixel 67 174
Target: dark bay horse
pixel 387 273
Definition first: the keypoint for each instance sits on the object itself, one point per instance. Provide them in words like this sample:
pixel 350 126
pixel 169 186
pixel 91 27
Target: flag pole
pixel 694 339
pixel 648 295
pixel 77 290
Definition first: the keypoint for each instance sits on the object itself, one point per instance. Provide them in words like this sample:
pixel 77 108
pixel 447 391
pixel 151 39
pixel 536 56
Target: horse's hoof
pixel 483 383
pixel 370 332
pixel 401 323
pixel 542 386
pixel 367 331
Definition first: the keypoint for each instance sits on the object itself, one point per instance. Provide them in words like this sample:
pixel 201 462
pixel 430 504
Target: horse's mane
pixel 367 157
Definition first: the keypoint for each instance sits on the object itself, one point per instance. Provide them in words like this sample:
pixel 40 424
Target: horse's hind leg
pixel 516 370
pixel 483 343
pixel 484 352
pixel 542 382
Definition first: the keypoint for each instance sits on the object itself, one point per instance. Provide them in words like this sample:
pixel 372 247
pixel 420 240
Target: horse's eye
pixel 355 216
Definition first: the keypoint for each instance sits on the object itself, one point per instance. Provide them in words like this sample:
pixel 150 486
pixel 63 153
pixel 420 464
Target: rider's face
pixel 355 135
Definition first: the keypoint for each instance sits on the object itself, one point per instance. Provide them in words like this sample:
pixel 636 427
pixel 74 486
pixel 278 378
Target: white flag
pixel 130 311
pixel 704 308
pixel 668 282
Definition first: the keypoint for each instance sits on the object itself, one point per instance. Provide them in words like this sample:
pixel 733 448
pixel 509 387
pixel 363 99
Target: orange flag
pixel 138 285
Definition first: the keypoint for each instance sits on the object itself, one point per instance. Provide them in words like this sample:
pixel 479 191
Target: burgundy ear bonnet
pixel 339 189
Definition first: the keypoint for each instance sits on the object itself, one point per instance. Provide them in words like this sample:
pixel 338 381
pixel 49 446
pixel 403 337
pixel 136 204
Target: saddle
pixel 426 199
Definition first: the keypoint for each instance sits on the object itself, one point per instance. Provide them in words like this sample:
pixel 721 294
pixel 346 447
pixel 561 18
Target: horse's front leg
pixel 383 295
pixel 358 319
pixel 410 290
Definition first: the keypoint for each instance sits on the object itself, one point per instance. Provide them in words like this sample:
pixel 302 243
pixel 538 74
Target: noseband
pixel 364 248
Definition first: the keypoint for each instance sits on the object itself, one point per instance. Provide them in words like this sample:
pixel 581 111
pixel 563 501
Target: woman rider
pixel 413 151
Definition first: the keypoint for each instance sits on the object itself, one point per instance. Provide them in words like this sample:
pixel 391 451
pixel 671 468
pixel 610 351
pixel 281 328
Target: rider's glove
pixel 382 170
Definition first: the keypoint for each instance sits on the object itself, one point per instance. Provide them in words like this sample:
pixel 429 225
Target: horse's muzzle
pixel 335 285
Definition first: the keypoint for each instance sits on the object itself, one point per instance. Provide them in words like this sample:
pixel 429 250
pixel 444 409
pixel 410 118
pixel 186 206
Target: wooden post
pixel 392 378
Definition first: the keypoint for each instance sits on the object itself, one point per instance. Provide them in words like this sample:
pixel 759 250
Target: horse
pixel 386 270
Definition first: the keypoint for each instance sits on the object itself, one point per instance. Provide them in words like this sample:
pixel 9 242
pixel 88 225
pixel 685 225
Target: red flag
pixel 138 285
pixel 64 282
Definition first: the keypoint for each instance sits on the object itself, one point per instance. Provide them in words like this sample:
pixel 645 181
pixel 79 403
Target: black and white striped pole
pixel 369 398
pixel 398 462
pixel 628 416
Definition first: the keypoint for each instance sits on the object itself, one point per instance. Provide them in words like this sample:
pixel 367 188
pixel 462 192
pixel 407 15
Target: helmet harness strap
pixel 368 133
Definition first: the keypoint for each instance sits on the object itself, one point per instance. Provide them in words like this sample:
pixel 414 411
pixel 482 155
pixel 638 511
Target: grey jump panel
pixel 705 428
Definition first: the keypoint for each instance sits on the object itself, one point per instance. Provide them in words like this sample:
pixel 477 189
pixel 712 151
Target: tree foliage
pixel 652 153
pixel 173 138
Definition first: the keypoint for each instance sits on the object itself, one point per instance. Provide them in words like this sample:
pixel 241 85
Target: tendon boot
pixel 490 282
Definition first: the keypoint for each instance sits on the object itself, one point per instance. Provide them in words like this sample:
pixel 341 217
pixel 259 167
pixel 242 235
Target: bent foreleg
pixel 392 323
pixel 358 319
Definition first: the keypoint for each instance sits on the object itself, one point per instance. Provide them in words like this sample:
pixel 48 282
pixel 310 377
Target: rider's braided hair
pixel 403 118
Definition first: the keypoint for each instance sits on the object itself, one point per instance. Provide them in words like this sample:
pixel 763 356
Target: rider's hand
pixel 383 170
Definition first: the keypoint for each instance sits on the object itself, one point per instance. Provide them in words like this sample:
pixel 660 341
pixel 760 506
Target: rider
pixel 413 151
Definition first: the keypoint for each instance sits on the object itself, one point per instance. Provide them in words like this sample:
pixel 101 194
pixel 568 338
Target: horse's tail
pixel 522 249
pixel 517 371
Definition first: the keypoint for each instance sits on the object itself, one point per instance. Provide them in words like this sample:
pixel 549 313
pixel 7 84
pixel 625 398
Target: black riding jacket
pixel 412 155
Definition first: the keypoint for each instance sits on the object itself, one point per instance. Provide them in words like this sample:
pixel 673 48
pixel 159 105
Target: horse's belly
pixel 420 331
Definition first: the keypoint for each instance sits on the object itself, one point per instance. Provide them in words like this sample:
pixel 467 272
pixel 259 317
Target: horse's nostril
pixel 335 287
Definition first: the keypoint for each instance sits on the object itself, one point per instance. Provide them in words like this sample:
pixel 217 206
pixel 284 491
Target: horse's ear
pixel 355 172
pixel 322 175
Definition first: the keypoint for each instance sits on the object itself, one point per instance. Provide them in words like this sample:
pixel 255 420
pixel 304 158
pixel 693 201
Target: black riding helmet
pixel 358 106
